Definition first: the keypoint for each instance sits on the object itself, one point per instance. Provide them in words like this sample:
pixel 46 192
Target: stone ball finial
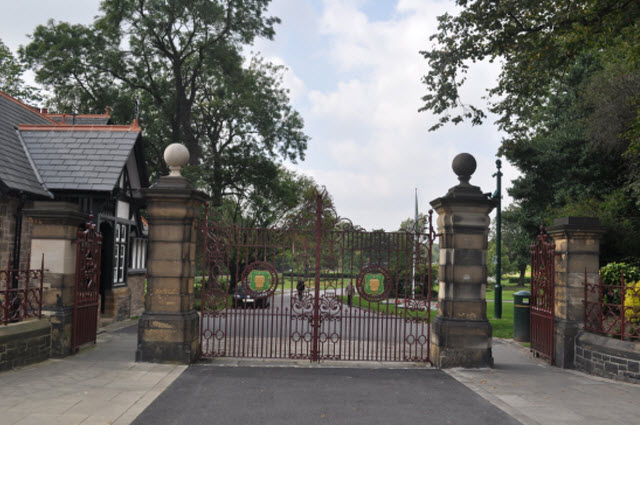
pixel 464 165
pixel 176 156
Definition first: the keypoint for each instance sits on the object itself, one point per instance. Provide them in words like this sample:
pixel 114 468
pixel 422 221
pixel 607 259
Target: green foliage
pixel 617 212
pixel 632 302
pixel 421 280
pixel 535 41
pixel 567 97
pixel 11 82
pixel 516 242
pixel 612 273
pixel 184 61
pixel 388 308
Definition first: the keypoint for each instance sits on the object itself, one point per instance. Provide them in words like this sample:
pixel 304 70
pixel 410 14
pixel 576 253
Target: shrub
pixel 632 302
pixel 612 273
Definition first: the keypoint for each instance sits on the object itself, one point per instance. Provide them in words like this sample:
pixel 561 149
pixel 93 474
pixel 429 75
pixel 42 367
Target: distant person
pixel 300 287
pixel 350 291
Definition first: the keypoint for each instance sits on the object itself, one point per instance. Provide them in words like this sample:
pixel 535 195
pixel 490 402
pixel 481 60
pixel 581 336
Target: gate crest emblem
pixel 260 279
pixel 374 283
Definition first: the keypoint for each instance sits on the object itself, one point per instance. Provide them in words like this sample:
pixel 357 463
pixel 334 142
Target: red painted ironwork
pixel 612 310
pixel 21 296
pixel 87 285
pixel 542 295
pixel 324 254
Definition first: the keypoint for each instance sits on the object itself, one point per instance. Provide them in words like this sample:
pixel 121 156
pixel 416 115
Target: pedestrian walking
pixel 350 291
pixel 300 287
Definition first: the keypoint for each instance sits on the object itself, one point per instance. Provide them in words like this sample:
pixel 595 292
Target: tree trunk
pixel 523 272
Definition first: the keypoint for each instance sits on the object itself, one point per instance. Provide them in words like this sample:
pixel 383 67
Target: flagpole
pixel 415 249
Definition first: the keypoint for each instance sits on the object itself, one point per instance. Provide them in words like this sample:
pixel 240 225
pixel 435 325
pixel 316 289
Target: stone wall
pixel 117 304
pixel 608 357
pixel 136 281
pixel 24 343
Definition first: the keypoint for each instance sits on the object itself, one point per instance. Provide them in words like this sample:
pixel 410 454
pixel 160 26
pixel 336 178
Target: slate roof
pixel 80 157
pixel 37 154
pixel 80 119
pixel 16 170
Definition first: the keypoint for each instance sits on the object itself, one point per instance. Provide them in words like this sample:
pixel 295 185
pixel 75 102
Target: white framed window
pixel 138 255
pixel 119 253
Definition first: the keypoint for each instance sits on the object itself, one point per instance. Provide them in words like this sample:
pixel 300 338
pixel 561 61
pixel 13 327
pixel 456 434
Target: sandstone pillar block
pixel 54 228
pixel 577 241
pixel 168 330
pixel 461 333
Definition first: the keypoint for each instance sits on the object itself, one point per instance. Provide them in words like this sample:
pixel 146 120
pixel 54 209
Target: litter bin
pixel 521 319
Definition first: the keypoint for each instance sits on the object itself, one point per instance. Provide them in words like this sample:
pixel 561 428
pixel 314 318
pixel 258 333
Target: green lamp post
pixel 497 303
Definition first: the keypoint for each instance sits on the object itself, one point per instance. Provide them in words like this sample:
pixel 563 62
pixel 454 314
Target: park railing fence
pixel 21 292
pixel 612 310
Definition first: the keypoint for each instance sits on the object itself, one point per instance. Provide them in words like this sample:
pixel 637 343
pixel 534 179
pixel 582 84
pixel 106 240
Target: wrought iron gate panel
pixel 392 318
pixel 542 295
pixel 87 285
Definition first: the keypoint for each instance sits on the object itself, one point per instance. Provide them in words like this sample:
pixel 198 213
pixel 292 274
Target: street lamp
pixel 497 303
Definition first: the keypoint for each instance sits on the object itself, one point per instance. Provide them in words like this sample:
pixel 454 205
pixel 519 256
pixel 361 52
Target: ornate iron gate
pixel 542 295
pixel 316 288
pixel 87 285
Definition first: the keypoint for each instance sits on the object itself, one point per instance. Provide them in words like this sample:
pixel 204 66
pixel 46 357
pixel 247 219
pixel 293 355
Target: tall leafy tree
pixel 244 121
pixel 567 97
pixel 159 47
pixel 183 61
pixel 535 42
pixel 11 82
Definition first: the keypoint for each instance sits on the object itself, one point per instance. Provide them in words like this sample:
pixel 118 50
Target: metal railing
pixel 21 292
pixel 612 310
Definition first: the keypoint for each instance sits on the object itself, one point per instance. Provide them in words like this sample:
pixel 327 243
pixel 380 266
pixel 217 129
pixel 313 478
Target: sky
pixel 354 74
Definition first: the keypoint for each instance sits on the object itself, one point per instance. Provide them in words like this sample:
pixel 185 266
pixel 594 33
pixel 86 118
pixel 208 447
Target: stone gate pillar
pixel 168 330
pixel 55 226
pixel 577 242
pixel 461 333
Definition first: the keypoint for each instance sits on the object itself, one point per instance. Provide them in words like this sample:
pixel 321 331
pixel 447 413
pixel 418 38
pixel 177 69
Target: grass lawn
pixel 502 327
pixel 507 291
pixel 385 308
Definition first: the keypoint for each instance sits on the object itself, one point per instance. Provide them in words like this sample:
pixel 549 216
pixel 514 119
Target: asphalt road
pixel 207 394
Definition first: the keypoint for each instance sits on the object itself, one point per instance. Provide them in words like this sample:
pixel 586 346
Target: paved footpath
pixel 100 385
pixel 534 392
pixel 104 385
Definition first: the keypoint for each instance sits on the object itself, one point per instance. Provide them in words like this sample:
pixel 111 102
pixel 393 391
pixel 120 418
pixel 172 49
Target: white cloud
pixel 378 145
pixel 295 85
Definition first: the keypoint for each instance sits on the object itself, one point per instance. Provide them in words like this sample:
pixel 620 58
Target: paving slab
pixel 103 384
pixel 534 392
pixel 100 385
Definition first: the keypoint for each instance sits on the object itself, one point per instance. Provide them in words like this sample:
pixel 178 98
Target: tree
pixel 567 97
pixel 11 82
pixel 516 242
pixel 535 43
pixel 172 54
pixel 558 160
pixel 183 61
pixel 244 121
pixel 618 212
